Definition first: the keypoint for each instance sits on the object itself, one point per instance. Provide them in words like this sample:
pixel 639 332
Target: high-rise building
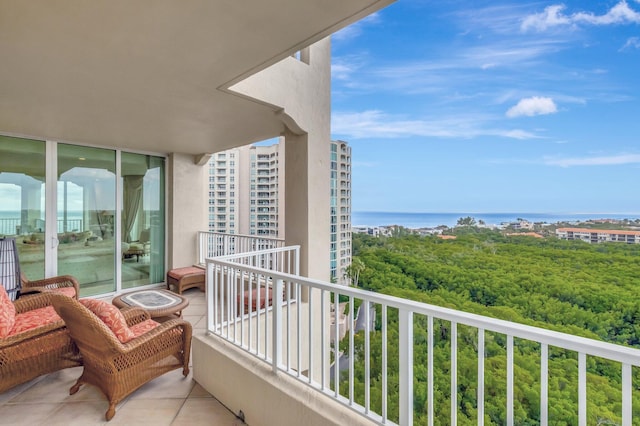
pixel 340 254
pixel 246 196
pixel 243 191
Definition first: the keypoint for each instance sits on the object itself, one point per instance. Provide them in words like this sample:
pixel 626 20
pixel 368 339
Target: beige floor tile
pixel 199 392
pixel 148 412
pixel 169 385
pixel 193 319
pixel 201 324
pixel 27 414
pixel 81 413
pixel 52 388
pixel 8 395
pixel 195 310
pixel 205 411
pixel 195 296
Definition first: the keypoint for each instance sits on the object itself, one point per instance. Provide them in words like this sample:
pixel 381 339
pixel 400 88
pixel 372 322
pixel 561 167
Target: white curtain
pixel 132 197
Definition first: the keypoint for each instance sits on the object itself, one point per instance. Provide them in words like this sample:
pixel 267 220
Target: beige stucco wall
pixel 187 208
pixel 301 95
pixel 244 383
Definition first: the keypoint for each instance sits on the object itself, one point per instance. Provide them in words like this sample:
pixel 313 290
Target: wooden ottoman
pixel 184 278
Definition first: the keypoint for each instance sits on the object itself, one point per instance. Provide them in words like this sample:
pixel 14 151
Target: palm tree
pixel 352 272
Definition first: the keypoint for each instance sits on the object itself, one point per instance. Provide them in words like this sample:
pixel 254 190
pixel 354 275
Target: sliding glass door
pixel 142 222
pixel 86 195
pixel 22 200
pixel 105 211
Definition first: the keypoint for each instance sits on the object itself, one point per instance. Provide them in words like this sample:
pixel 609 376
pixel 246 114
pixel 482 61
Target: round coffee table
pixel 159 303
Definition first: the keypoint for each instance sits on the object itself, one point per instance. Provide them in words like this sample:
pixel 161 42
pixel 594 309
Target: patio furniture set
pixel 120 345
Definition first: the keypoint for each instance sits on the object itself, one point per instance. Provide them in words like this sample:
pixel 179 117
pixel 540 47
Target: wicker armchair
pixel 116 368
pixel 41 350
pixel 65 284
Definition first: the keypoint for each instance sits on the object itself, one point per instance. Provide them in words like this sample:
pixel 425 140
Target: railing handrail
pixel 241 235
pixel 242 241
pixel 256 253
pixel 572 342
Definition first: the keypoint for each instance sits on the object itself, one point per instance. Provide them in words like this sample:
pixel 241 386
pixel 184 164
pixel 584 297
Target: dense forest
pixel 568 286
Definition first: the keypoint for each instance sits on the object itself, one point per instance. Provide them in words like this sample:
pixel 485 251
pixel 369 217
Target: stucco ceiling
pixel 146 75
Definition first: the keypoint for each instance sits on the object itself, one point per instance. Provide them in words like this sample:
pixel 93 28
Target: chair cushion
pixel 144 326
pixel 33 319
pixel 111 317
pixel 7 313
pixel 181 272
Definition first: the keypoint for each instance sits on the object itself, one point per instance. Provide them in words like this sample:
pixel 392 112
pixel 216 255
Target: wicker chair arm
pixel 32 302
pixel 50 283
pixel 134 315
pixel 159 333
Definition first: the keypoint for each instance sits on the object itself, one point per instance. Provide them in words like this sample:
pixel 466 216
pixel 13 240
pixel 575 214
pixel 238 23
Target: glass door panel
pixel 22 200
pixel 86 211
pixel 142 220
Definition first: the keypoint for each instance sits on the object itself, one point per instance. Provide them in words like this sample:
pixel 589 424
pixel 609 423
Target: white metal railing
pixel 12 226
pixel 216 244
pixel 292 335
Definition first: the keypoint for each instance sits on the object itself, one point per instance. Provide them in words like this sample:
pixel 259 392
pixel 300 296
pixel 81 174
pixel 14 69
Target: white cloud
pixel 619 14
pixel 354 30
pixel 377 124
pixel 632 42
pixel 553 16
pixel 532 106
pixel 613 160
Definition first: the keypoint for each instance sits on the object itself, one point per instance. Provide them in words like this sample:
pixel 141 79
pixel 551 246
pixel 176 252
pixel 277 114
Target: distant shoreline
pixel 432 220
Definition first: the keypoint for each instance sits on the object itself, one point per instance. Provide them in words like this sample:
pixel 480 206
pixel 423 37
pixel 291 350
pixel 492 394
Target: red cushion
pixel 144 326
pixel 181 272
pixel 254 298
pixel 111 317
pixel 7 313
pixel 33 319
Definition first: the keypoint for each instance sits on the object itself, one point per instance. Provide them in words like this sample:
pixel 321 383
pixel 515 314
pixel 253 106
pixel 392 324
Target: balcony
pixel 263 339
pixel 278 347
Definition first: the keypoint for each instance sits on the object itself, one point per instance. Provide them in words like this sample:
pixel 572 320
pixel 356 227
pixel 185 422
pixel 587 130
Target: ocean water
pixel 431 220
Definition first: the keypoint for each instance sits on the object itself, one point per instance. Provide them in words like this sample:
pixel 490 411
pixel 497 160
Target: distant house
pixel 598 235
pixel 369 230
pixel 522 224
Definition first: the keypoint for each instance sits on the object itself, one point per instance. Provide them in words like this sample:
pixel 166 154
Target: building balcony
pixel 263 338
pixel 380 380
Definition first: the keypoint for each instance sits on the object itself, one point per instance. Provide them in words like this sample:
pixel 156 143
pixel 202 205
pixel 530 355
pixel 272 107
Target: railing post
pixel 277 325
pixel 405 330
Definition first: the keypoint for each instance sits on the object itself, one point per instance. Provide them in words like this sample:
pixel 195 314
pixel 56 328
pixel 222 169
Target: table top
pixel 157 302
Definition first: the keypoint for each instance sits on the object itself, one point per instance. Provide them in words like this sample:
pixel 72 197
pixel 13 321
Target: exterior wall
pixel 266 398
pixel 307 116
pixel 187 213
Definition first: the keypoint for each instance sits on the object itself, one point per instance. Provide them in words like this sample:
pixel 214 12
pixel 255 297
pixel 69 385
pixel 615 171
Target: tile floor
pixel 168 400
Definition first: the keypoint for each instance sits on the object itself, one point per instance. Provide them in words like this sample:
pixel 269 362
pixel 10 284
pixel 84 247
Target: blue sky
pixel 492 106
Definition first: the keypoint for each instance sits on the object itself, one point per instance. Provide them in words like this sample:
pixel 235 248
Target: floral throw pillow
pixel 111 317
pixel 7 313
